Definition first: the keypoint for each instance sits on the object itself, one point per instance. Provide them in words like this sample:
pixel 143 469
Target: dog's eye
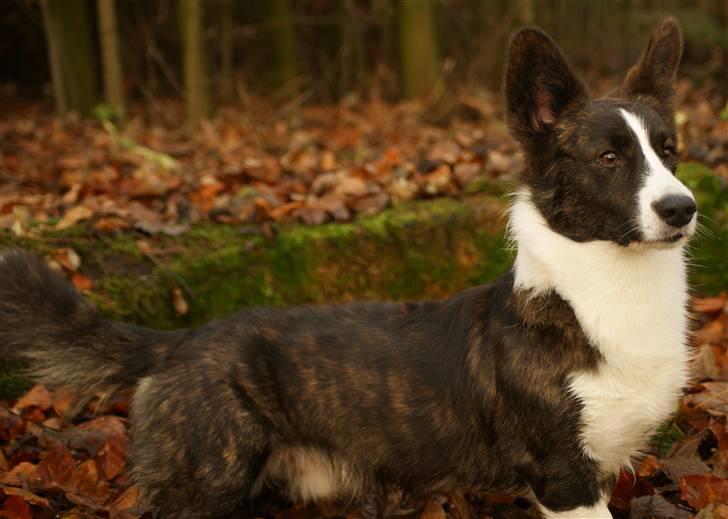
pixel 608 158
pixel 669 150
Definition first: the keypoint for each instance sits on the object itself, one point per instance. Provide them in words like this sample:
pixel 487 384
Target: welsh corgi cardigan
pixel 547 381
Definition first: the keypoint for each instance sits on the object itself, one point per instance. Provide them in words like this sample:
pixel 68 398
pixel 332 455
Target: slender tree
pixel 196 97
pixel 283 43
pixel 418 47
pixel 71 55
pixel 53 40
pixel 227 51
pixel 110 55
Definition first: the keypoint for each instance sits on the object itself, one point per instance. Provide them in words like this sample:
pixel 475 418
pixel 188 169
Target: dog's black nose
pixel 675 210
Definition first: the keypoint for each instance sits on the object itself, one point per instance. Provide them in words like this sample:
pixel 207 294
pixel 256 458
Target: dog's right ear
pixel 540 87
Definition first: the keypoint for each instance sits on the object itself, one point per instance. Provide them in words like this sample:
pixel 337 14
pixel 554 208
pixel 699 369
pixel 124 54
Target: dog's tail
pixel 63 339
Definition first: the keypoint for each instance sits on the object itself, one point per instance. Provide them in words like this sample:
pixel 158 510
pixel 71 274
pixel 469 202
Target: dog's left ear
pixel 653 77
pixel 540 88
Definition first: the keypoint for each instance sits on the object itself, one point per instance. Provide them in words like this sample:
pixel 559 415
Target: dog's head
pixel 601 169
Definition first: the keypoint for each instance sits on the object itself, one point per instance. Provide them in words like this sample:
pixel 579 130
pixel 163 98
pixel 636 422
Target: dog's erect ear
pixel 540 86
pixel 653 77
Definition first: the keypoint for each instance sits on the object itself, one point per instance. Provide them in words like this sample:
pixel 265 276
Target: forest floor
pixel 264 167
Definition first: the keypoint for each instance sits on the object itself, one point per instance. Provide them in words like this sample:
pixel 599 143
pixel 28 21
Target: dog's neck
pixel 613 290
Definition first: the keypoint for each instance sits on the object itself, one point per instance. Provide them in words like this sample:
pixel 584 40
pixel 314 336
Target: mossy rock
pixel 709 249
pixel 418 250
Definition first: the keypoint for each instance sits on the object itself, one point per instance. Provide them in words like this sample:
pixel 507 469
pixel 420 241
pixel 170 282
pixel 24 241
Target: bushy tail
pixel 62 337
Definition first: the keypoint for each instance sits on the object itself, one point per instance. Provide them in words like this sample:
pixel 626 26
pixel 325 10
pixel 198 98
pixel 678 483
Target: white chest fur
pixel 632 306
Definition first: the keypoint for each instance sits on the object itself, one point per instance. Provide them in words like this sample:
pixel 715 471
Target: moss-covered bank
pixel 419 250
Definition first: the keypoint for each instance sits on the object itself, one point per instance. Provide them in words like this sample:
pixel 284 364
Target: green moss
pixel 12 385
pixel 665 438
pixel 709 250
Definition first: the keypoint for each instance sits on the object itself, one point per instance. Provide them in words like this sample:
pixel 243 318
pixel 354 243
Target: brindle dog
pixel 546 381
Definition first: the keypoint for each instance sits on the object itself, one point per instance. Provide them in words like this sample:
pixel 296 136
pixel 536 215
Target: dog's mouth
pixel 665 242
pixel 672 238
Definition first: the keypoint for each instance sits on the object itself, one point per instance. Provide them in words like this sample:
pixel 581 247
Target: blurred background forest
pixel 221 52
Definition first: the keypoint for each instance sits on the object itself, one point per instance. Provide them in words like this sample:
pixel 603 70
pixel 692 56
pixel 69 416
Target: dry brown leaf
pixel 648 466
pixel 19 475
pixel 67 258
pixel 37 396
pixel 27 495
pixel 702 490
pixel 111 224
pixel 81 282
pixel 433 510
pixel 713 399
pixel 73 216
pixel 15 507
pixel 708 305
pixel 655 507
pixel 179 302
pixel 126 505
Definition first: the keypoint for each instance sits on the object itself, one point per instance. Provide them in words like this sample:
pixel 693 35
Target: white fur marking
pixel 309 474
pixel 658 184
pixel 598 511
pixel 631 305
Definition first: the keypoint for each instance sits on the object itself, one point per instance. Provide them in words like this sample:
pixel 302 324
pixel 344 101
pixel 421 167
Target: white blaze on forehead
pixel 659 181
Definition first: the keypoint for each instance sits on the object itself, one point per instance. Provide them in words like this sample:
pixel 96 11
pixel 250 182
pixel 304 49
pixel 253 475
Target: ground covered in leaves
pixel 57 460
pixel 261 163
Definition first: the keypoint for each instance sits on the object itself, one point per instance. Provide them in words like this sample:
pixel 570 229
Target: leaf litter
pixel 253 166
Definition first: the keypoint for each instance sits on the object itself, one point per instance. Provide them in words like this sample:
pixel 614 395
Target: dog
pixel 547 381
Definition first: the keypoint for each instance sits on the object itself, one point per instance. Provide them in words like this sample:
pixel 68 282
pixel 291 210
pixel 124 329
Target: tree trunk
pixel 110 55
pixel 284 45
pixel 54 58
pixel 357 44
pixel 526 12
pixel 227 51
pixel 418 47
pixel 69 21
pixel 196 98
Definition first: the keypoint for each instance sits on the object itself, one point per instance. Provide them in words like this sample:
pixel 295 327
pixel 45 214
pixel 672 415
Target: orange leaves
pixel 245 169
pixel 38 396
pixel 701 490
pixel 15 507
pixel 84 463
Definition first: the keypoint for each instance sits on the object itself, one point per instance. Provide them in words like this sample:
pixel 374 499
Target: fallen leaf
pixel 67 258
pixel 680 466
pixel 73 216
pixel 708 305
pixel 81 282
pixel 27 495
pixel 15 507
pixel 154 227
pixel 702 490
pixel 56 467
pixel 179 302
pixel 111 224
pixel 433 510
pixel 127 505
pixel 459 506
pixel 19 475
pixel 648 466
pixel 713 399
pixel 38 396
pixel 655 507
